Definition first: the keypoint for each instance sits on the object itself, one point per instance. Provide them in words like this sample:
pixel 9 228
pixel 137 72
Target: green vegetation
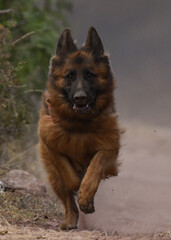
pixel 28 35
pixel 43 20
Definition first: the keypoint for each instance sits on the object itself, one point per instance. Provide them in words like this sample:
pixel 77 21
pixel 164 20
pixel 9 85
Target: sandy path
pixel 139 200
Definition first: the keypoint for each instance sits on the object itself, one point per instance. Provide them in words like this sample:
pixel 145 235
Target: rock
pixel 22 180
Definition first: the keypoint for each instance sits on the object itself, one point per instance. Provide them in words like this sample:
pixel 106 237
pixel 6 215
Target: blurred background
pixel 137 34
pixel 138 37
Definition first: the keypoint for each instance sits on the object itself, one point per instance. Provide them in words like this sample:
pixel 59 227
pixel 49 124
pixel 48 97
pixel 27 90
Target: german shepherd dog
pixel 78 127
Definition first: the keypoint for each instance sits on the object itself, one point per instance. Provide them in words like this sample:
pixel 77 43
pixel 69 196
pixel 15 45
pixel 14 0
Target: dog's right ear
pixel 65 44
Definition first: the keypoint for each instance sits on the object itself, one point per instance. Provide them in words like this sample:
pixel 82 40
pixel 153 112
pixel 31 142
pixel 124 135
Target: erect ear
pixel 65 44
pixel 94 43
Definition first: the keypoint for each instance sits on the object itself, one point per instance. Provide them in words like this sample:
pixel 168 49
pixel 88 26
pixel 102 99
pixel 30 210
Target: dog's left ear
pixel 94 43
pixel 65 44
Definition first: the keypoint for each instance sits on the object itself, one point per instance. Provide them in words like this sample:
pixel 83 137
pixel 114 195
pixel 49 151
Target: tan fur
pixel 78 153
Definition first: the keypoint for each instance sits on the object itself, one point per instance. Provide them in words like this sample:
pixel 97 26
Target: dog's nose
pixel 80 97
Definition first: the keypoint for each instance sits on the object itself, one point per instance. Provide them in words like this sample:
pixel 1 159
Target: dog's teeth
pixel 80 108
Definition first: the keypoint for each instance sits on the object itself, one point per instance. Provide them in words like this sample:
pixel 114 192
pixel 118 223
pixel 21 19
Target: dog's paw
pixel 66 226
pixel 85 199
pixel 88 208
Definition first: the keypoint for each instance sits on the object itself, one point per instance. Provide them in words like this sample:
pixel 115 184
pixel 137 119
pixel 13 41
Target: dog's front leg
pixel 95 172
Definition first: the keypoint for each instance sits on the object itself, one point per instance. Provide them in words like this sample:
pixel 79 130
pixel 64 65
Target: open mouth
pixel 81 108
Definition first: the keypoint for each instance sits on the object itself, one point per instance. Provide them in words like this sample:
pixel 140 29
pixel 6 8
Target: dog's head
pixel 80 80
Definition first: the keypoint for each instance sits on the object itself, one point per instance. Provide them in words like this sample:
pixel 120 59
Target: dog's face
pixel 80 83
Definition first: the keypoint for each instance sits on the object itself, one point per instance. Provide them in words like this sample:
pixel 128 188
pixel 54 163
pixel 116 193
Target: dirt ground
pixel 33 233
pixel 136 205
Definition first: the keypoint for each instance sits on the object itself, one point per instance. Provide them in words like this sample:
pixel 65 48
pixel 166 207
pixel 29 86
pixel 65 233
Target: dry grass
pixel 23 208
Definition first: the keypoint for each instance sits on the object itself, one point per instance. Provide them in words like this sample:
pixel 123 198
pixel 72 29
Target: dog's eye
pixel 70 75
pixel 90 74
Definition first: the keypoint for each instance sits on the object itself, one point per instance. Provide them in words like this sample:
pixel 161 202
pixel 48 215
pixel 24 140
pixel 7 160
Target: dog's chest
pixel 77 146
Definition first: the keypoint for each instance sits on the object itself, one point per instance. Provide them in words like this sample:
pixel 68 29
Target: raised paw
pixel 85 198
pixel 89 208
